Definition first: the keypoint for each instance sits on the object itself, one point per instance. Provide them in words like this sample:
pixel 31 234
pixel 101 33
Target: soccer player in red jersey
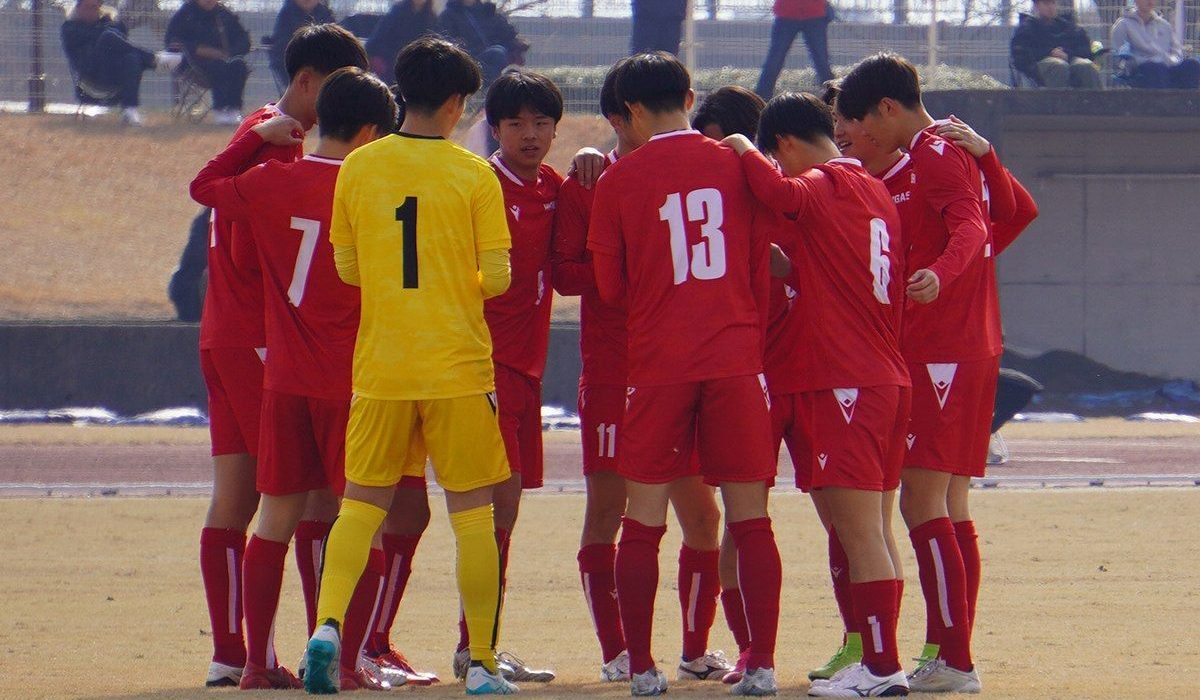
pixel 311 322
pixel 672 235
pixel 849 388
pixel 952 343
pixel 232 349
pixel 601 410
pixel 523 110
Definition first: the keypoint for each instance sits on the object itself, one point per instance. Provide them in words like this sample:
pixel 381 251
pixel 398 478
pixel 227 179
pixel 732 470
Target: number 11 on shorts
pixel 607 432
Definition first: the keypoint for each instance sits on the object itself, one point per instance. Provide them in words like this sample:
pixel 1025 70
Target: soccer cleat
pixel 481 681
pixel 255 677
pixel 652 682
pixel 223 675
pixel 758 682
pixel 617 669
pixel 517 671
pixel 321 676
pixel 849 653
pixel 934 676
pixel 739 669
pixel 997 450
pixel 226 117
pixel 301 666
pixel 462 661
pixel 394 659
pixel 710 667
pixel 394 677
pixel 361 679
pixel 131 116
pixel 857 681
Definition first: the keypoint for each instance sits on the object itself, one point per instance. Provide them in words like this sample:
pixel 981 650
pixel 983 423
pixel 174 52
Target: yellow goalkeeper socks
pixel 479 580
pixel 346 553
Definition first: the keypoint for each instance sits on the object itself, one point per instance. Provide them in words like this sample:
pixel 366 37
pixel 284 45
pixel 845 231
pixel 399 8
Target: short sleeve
pixel 487 212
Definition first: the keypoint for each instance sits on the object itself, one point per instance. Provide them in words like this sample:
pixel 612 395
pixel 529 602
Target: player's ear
pixel 689 100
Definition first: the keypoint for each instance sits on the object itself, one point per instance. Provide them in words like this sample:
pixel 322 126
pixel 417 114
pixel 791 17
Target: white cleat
pixel 857 681
pixel 934 676
pixel 517 671
pixel 756 682
pixel 652 682
pixel 997 450
pixel 392 676
pixel 222 676
pixel 617 669
pixel 167 61
pixel 711 667
pixel 226 117
pixel 321 675
pixel 481 681
pixel 131 116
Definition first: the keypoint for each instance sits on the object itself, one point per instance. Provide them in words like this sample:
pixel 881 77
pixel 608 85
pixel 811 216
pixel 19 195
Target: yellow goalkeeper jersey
pixel 418 210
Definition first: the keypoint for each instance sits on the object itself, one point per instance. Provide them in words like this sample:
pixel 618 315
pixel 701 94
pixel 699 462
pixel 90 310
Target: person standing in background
pixel 657 25
pixel 293 15
pixel 808 17
pixel 406 21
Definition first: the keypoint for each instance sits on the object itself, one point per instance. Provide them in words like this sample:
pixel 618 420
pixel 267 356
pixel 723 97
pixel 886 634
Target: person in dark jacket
pixel 485 33
pixel 100 54
pixel 657 25
pixel 293 15
pixel 405 22
pixel 808 17
pixel 1052 50
pixel 215 43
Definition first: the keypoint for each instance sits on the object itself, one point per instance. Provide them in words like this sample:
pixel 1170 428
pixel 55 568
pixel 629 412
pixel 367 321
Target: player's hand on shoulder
pixel 281 131
pixel 781 265
pixel 923 286
pixel 587 165
pixel 739 143
pixel 962 135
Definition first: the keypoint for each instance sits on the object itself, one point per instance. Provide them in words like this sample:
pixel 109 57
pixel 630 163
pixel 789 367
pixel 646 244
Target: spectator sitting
pixel 1052 50
pixel 98 50
pixel 657 25
pixel 486 34
pixel 808 17
pixel 293 15
pixel 405 22
pixel 1156 56
pixel 215 43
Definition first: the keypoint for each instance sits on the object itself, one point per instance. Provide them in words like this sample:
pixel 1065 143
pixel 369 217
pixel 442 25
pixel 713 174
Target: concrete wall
pixel 1110 269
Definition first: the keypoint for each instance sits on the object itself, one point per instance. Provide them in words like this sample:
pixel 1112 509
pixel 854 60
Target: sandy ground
pixel 1085 592
pixel 95 215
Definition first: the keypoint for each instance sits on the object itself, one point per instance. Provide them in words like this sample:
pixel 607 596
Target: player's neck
pixel 879 165
pixel 287 105
pixel 913 122
pixel 528 173
pixel 825 150
pixel 333 149
pixel 427 125
pixel 666 122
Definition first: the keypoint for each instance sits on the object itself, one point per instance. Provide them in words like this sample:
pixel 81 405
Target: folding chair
pixel 190 90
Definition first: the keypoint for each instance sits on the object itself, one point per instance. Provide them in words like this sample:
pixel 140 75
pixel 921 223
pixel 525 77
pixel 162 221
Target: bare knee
pixel 923 496
pixel 507 503
pixel 409 514
pixel 958 499
pixel 234 495
pixel 321 505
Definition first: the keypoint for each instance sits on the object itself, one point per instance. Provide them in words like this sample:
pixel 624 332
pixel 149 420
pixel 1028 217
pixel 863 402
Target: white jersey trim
pixel 322 159
pixel 669 134
pixel 897 167
pixel 496 161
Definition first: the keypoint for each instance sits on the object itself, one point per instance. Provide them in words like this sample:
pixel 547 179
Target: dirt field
pixel 96 232
pixel 1085 593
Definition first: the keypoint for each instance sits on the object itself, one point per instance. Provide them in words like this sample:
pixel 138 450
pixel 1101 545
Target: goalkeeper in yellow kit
pixel 419 225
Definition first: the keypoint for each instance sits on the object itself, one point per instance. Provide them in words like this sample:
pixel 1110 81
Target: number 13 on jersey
pixel 707 258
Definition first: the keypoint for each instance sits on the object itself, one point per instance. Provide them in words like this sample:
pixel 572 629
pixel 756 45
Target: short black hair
pixel 431 70
pixel 830 90
pixel 324 48
pixel 517 89
pixel 352 98
pixel 609 104
pixel 799 114
pixel 884 75
pixel 657 81
pixel 734 109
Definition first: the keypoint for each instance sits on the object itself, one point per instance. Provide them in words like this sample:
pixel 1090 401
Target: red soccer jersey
pixel 311 315
pixel 519 319
pixel 947 231
pixel 602 336
pixel 233 302
pixel 673 228
pixel 848 256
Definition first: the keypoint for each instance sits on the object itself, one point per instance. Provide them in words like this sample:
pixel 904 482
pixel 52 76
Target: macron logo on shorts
pixel 822 459
pixel 942 376
pixel 846 399
pixel 910 440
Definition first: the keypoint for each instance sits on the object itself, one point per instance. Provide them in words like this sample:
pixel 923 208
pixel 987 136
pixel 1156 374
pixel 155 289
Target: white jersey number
pixel 707 258
pixel 309 230
pixel 881 264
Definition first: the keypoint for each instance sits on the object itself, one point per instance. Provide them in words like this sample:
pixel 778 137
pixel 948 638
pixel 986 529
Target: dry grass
pixel 104 600
pixel 95 215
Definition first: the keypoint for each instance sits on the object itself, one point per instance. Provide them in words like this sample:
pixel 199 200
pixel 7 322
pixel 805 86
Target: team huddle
pixel 383 303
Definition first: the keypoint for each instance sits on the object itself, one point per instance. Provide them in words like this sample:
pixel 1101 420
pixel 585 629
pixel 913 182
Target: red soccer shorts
pixel 850 436
pixel 952 405
pixel 786 428
pixel 234 377
pixel 601 409
pixel 520 402
pixel 727 421
pixel 302 445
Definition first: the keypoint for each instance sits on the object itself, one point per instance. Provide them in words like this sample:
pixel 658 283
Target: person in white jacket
pixel 1157 58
